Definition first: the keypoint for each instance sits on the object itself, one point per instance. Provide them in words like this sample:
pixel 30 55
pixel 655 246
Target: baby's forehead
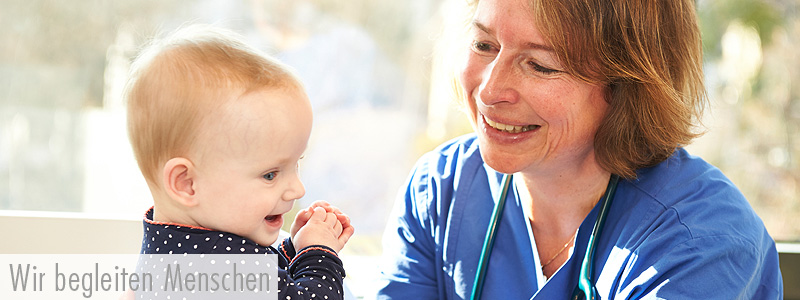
pixel 255 118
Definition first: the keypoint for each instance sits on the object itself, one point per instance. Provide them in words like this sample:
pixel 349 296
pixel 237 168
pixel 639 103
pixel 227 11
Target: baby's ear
pixel 179 180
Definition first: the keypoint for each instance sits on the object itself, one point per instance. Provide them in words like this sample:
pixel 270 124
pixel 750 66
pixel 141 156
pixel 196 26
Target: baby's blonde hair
pixel 179 81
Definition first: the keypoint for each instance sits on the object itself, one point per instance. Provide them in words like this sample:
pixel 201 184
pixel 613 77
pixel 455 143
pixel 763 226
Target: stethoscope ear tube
pixel 585 287
pixel 488 243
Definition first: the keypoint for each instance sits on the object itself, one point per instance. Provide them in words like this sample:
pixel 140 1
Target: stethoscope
pixel 585 288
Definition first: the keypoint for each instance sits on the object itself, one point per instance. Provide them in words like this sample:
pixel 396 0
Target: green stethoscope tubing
pixel 585 287
pixel 488 243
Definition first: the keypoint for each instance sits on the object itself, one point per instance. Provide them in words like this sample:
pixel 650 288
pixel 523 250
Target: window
pixel 754 120
pixel 64 145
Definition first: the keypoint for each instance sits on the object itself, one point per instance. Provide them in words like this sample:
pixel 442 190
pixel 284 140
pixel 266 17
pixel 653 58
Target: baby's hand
pixel 302 216
pixel 321 228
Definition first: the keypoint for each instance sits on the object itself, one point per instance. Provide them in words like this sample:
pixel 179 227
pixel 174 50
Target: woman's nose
pixel 498 82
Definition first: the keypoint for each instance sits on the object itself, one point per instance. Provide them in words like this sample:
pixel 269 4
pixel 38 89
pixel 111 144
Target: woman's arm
pixel 409 265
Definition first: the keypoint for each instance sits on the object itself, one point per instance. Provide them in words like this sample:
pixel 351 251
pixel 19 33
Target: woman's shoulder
pixel 451 156
pixel 452 166
pixel 683 176
pixel 684 218
pixel 698 198
pixel 461 147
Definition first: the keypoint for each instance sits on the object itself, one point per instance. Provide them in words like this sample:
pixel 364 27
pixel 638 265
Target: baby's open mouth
pixel 509 128
pixel 274 220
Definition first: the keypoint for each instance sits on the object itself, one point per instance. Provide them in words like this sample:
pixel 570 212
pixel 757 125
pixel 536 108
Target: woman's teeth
pixel 509 128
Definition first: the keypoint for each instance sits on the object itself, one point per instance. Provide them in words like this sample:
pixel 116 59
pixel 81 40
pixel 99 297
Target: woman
pixel 568 96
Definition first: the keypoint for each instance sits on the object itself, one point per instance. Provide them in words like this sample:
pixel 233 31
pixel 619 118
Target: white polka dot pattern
pixel 314 272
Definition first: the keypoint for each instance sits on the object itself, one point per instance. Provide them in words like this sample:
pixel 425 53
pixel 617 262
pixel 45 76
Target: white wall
pixel 68 233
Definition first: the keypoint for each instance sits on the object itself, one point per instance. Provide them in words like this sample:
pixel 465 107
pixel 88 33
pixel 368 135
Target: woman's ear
pixel 608 89
pixel 179 181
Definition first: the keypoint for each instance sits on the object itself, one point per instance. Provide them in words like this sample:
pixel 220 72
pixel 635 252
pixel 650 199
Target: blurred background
pixel 379 93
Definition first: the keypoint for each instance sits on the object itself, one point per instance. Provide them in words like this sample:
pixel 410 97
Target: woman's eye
pixel 270 176
pixel 539 68
pixel 481 46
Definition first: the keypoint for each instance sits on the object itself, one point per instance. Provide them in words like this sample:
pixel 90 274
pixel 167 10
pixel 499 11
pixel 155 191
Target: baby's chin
pixel 265 240
pixel 266 234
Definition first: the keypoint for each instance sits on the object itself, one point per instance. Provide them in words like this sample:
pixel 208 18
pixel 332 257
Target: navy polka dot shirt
pixel 314 272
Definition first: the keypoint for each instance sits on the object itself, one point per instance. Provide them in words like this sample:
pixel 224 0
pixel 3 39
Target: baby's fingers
pixel 344 219
pixel 330 219
pixel 347 232
pixel 300 220
pixel 324 204
pixel 337 228
pixel 327 206
pixel 318 215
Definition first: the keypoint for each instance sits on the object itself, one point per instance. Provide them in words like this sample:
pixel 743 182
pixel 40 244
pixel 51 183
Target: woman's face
pixel 529 115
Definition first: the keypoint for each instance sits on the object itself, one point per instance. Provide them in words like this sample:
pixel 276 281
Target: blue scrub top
pixel 681 230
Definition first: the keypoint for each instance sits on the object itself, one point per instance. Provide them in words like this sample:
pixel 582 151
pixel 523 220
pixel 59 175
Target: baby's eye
pixel 270 176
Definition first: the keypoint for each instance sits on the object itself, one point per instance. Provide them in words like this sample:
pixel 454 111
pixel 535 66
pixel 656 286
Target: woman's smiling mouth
pixel 509 128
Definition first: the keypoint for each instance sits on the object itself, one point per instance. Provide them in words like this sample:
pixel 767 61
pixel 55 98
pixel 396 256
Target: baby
pixel 218 129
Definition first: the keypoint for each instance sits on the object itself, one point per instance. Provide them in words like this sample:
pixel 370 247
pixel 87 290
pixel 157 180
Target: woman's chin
pixel 500 161
pixel 502 164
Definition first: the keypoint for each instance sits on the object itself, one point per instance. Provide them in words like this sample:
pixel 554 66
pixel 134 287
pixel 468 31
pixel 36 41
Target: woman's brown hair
pixel 649 54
